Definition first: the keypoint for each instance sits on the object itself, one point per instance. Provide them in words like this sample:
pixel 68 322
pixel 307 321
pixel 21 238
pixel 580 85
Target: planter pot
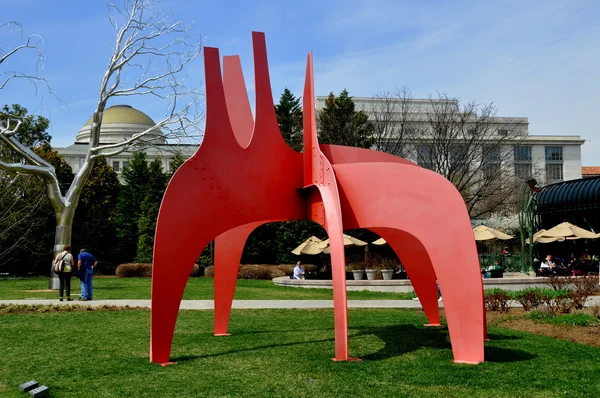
pixel 371 274
pixel 358 274
pixel 387 274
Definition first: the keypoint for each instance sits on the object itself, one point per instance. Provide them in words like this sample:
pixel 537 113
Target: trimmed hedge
pixel 261 271
pixel 144 270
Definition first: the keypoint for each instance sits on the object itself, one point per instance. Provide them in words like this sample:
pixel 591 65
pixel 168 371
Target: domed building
pixel 120 123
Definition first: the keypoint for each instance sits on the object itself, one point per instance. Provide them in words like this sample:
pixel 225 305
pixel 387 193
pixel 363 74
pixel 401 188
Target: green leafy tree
pixel 94 226
pixel 129 203
pixel 32 133
pixel 26 216
pixel 340 124
pixel 155 189
pixel 289 118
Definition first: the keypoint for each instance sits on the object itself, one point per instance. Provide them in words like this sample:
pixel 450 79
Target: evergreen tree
pixel 175 163
pixel 94 227
pixel 289 118
pixel 340 124
pixel 131 196
pixel 157 183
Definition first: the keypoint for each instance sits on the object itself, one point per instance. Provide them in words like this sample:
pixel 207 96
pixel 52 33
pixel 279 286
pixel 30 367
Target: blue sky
pixel 538 59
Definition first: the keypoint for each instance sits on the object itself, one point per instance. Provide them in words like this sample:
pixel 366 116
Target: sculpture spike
pixel 238 105
pixel 217 117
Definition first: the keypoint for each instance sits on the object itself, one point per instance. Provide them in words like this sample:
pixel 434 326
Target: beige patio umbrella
pixel 311 246
pixel 379 242
pixel 562 231
pixel 483 232
pixel 348 241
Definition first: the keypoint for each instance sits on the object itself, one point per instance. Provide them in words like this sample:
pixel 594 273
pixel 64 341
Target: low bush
pixel 529 298
pixel 497 300
pixel 558 282
pixel 583 287
pixel 144 270
pixel 595 311
pixel 558 301
pixel 43 308
pixel 261 271
pixel 134 270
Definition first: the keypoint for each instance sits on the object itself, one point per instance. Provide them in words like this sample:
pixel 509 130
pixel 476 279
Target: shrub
pixel 134 270
pixel 276 272
pixel 497 300
pixel 388 263
pixel 248 271
pixel 583 287
pixel 558 282
pixel 595 311
pixel 529 298
pixel 253 272
pixel 558 301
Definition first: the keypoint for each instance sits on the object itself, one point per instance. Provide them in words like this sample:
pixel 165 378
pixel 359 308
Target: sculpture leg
pixel 228 252
pixel 427 206
pixel 334 227
pixel 418 267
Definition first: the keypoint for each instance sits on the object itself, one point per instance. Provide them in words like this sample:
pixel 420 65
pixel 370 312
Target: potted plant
pixel 372 262
pixel 387 268
pixel 357 269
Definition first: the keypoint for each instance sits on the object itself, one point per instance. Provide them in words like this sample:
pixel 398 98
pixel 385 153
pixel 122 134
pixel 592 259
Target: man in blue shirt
pixel 86 263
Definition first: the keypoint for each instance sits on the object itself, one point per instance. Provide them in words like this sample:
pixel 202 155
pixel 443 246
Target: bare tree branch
pixel 468 145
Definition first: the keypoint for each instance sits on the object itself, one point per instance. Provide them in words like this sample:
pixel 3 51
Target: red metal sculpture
pixel 244 175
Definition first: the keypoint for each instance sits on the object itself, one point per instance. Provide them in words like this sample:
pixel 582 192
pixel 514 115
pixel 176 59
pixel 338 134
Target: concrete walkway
pixel 252 304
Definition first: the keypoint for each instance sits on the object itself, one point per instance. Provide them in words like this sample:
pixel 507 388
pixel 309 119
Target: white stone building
pixel 121 122
pixel 548 158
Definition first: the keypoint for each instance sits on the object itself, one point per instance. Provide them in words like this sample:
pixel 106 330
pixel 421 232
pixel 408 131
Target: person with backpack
pixel 63 266
pixel 86 264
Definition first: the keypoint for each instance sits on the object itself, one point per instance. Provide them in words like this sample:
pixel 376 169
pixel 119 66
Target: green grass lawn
pixel 282 353
pixel 197 289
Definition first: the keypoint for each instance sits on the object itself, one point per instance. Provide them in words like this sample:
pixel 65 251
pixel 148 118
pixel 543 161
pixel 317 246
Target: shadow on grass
pixel 493 336
pixel 495 354
pixel 402 339
pixel 184 358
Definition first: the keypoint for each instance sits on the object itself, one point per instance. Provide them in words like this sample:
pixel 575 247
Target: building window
pixel 554 172
pixel 125 164
pixel 554 164
pixel 554 153
pixel 490 161
pixel 425 157
pixel 523 163
pixel 503 132
pixel 116 165
pixel 471 131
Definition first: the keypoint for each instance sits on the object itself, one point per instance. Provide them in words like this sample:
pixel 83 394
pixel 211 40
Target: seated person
pixel 298 271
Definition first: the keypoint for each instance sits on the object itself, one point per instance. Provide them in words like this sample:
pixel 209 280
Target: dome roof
pixel 123 114
pixel 120 123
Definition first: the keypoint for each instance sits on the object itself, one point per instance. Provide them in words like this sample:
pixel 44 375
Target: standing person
pixel 86 263
pixel 63 266
pixel 298 271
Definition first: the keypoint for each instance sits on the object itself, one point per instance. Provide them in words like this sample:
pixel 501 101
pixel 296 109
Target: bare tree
pixel 150 54
pixel 468 145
